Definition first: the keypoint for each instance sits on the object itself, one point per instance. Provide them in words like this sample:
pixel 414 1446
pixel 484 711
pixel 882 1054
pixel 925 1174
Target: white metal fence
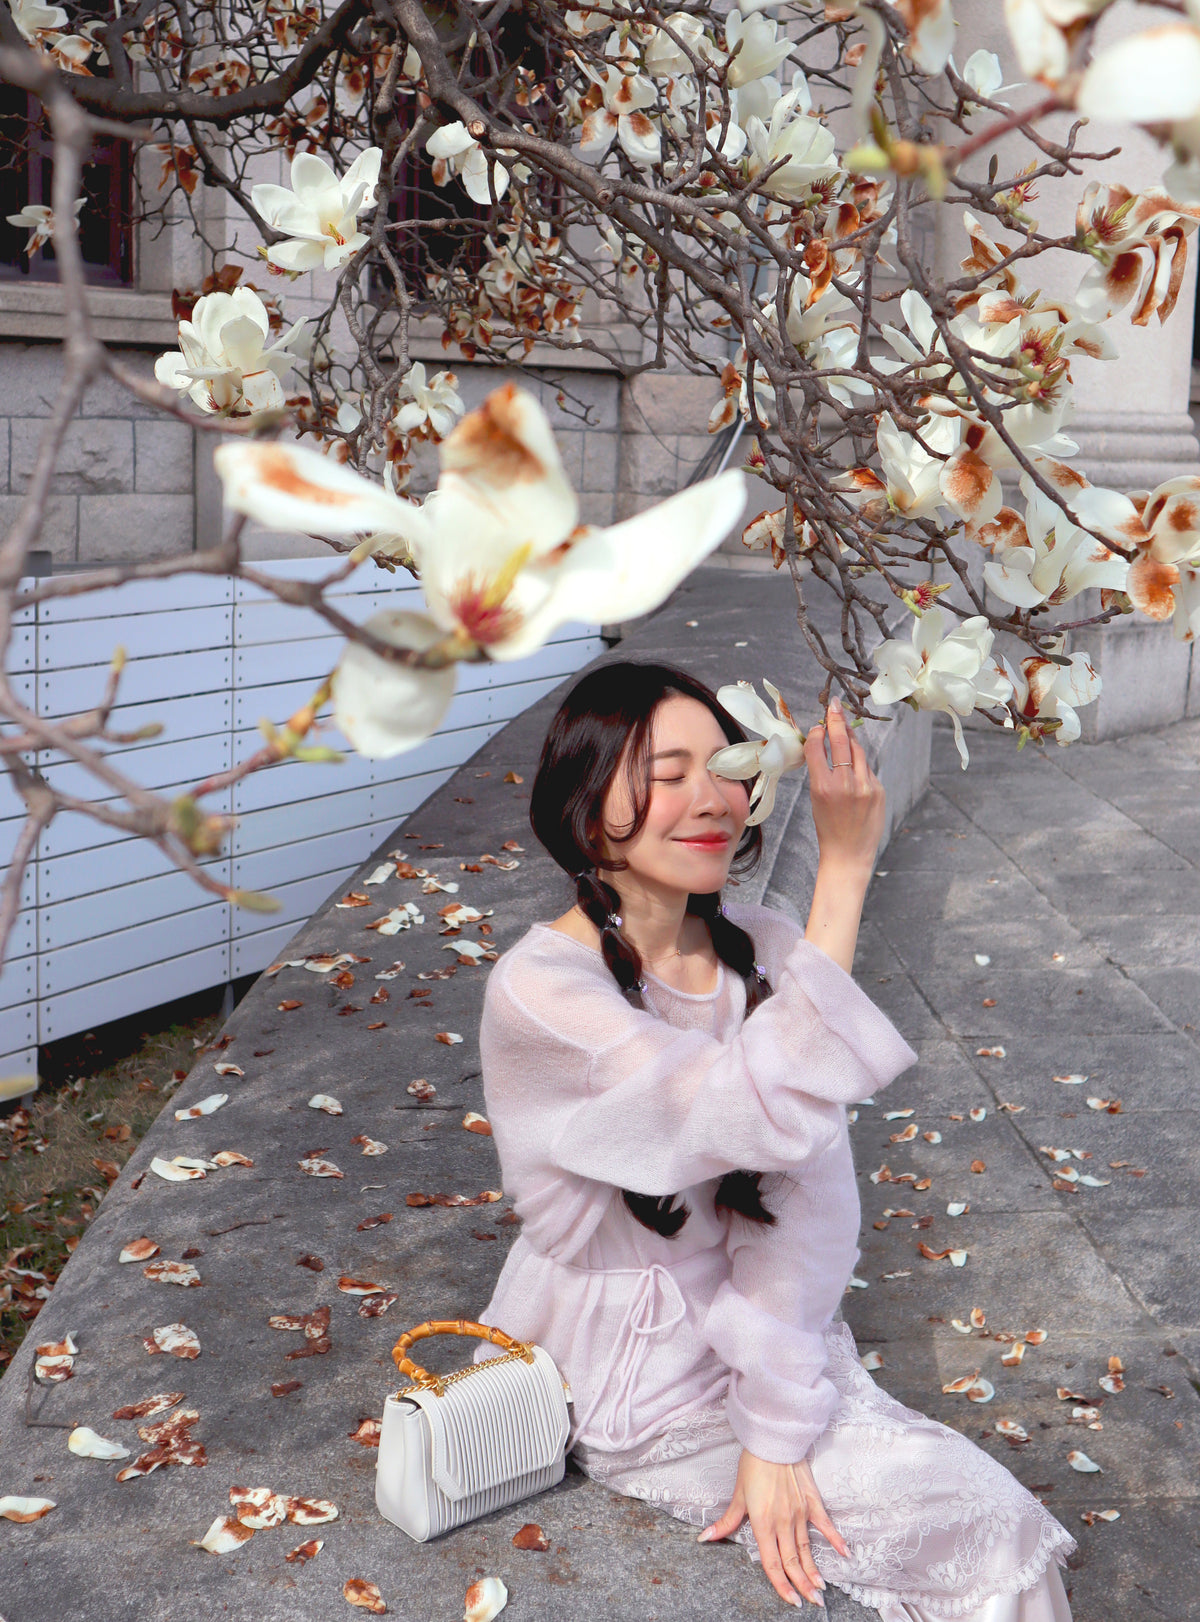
pixel 107 926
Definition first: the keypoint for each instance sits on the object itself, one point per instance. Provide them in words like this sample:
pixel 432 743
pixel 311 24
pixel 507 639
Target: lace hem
pixel 1056 1545
pixel 932 1520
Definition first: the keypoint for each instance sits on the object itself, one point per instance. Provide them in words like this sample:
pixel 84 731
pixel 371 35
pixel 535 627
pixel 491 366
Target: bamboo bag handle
pixel 450 1326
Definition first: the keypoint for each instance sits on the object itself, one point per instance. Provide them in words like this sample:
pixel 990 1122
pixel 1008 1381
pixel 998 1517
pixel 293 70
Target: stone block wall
pixel 123 487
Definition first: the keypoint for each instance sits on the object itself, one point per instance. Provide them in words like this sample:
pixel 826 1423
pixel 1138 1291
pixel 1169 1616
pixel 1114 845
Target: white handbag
pixel 456 1446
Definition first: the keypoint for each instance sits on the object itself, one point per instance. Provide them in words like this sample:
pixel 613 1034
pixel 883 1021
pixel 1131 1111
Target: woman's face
pixel 695 820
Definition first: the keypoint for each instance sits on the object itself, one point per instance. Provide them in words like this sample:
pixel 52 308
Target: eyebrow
pixel 664 754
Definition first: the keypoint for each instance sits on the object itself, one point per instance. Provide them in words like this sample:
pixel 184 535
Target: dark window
pixel 444 227
pixel 26 171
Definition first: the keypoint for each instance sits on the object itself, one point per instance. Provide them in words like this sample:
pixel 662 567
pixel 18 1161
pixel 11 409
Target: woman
pixel 667 1079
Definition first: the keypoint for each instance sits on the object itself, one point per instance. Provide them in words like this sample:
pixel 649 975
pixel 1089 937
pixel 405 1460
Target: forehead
pixel 683 725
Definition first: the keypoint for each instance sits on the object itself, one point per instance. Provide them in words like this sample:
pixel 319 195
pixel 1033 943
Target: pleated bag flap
pixel 504 1420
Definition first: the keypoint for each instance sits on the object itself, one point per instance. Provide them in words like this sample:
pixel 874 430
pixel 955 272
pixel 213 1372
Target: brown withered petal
pixel 289 1005
pixel 316 1322
pixel 357 1591
pixel 143 1466
pixel 284 1388
pixel 108 1169
pixel 370 1146
pixel 167 1272
pixel 367 1433
pixel 1034 1337
pixel 311 1511
pixel 262 1517
pixel 227 1069
pixel 224 1535
pixel 358 1286
pixel 232 1157
pixel 1114 1384
pixel 138 1250
pixel 378 1025
pixel 1014 1354
pixel 286 1320
pixel 174 1426
pixel 531 1536
pixel 477 1123
pixel 376 1305
pixel 157 1404
pixel 978 1166
pixel 374 1222
pixel 305 1551
pixel 176 1339
pixel 313 1263
pixel 311 1348
pixel 448 1037
pixel 513 777
pixel 422 1090
pixel 314 1166
pixel 1065 1394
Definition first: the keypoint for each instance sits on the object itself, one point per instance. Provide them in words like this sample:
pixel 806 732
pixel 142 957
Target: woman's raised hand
pixel 847 798
pixel 782 1502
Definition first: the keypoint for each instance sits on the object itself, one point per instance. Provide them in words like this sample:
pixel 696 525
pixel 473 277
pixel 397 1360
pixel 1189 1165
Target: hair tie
pixel 760 971
pixel 613 921
pixel 724 914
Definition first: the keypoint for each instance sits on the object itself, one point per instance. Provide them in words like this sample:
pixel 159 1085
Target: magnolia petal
pixel 323 1101
pixel 288 487
pixel 736 760
pixel 1078 1460
pixel 617 574
pixel 24 1510
pixel 747 708
pixel 1153 77
pixel 485 1600
pixel 225 1535
pixel 385 709
pixel 85 1442
pixel 206 1106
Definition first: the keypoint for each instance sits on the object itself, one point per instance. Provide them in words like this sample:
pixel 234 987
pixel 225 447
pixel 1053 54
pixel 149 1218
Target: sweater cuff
pixel 847 1011
pixel 782 1438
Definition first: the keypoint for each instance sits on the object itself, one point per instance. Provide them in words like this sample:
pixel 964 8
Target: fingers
pixel 799 1564
pixel 784 1566
pixel 821 1522
pixel 728 1523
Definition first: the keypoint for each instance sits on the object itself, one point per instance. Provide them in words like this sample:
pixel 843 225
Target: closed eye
pixel 668 779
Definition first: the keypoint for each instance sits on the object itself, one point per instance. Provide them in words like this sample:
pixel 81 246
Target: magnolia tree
pixel 750 191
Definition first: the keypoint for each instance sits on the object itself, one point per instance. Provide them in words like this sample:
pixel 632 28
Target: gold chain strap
pixel 423 1380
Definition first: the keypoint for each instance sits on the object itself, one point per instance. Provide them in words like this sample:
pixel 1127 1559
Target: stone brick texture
pixel 125 486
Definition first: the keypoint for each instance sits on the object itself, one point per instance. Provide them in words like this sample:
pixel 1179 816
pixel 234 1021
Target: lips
pixel 717 843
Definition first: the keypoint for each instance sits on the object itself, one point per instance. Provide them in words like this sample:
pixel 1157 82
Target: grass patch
pixel 99 1093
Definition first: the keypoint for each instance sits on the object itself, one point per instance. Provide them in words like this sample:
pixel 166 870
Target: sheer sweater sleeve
pixel 622 1097
pixel 767 1320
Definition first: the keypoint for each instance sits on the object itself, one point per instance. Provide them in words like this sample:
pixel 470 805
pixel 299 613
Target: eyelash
pixel 668 779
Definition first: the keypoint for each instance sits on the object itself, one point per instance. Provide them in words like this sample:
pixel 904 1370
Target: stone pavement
pixel 1073 874
pixel 1104 875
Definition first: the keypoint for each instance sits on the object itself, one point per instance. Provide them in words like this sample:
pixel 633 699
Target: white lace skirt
pixel 936 1529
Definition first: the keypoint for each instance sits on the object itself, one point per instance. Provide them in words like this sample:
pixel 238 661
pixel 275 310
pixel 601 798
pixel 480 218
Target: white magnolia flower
pixel 434 406
pixel 983 73
pixel 1138 242
pixel 1047 692
pixel 912 474
pixel 781 749
pixel 1040 32
pixel 38 220
pixel 502 558
pixel 804 144
pixel 33 19
pixel 762 51
pixel 952 673
pixel 221 361
pixel 319 215
pixel 626 94
pixel 455 152
pixel 663 58
pixel 1152 78
pixel 1044 557
pixel 930 26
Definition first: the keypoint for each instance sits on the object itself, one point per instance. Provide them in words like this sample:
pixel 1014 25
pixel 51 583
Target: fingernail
pixel 820 1582
pixel 835 703
pixel 705 1536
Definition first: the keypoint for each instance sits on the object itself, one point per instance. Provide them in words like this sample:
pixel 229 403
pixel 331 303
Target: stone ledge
pixel 119 315
pixel 120 1551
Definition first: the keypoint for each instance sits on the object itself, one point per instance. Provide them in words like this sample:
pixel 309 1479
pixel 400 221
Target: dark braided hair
pixel 613 705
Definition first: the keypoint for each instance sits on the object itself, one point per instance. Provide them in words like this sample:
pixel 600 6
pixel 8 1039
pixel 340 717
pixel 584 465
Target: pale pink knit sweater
pixel 587 1095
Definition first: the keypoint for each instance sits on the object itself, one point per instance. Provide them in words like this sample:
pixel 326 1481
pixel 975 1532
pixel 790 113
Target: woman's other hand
pixel 847 798
pixel 782 1502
